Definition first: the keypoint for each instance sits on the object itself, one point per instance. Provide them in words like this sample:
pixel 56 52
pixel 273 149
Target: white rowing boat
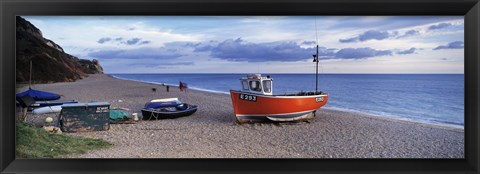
pixel 47 109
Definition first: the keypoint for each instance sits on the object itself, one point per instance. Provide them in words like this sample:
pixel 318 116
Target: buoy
pixel 48 120
pixel 135 116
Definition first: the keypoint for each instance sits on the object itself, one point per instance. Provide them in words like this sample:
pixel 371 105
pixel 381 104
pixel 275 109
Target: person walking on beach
pixel 183 86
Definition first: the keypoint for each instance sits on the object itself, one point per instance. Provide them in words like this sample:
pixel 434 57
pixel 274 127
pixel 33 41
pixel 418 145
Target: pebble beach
pixel 213 133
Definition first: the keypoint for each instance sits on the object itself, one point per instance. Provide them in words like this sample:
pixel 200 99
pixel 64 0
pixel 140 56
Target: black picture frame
pixel 10 8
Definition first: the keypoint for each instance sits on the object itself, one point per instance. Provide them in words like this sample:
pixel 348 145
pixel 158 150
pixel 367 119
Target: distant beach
pixel 213 133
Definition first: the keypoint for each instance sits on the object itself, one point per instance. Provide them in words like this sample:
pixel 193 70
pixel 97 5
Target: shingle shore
pixel 213 133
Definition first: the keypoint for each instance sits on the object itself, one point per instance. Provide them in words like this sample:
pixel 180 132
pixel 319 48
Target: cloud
pixel 373 34
pixel 308 42
pixel 326 53
pixel 203 48
pixel 238 50
pixel 139 53
pixel 387 22
pixel 120 40
pixel 179 63
pixel 451 45
pixel 144 42
pixel 382 35
pixel 283 51
pixel 378 35
pixel 199 46
pixel 369 35
pixel 349 40
pixel 409 33
pixel 361 53
pixel 158 64
pixel 103 40
pixel 133 41
pixel 439 26
pixel 409 51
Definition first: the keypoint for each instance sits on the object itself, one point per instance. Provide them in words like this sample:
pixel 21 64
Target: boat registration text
pixel 248 97
pixel 319 99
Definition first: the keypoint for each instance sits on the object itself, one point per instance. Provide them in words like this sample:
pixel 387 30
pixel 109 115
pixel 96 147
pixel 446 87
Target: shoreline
pixel 165 84
pixel 361 113
pixel 213 133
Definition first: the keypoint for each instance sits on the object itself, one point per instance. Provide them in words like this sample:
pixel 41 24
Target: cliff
pixel 49 61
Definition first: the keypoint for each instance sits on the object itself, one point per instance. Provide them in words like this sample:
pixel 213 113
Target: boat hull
pixel 52 103
pixel 252 107
pixel 47 109
pixel 162 113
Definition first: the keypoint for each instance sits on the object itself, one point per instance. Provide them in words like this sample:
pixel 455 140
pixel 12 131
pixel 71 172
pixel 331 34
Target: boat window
pixel 267 86
pixel 255 86
pixel 245 85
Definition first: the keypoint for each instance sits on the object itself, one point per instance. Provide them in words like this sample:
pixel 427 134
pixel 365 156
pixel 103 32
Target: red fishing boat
pixel 255 101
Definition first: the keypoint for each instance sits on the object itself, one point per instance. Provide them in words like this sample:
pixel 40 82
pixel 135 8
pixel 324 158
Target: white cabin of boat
pixel 255 83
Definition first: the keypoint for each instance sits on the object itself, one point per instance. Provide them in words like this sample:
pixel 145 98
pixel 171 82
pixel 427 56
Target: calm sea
pixel 431 98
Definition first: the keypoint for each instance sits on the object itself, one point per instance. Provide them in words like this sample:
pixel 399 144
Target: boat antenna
pixel 316 32
pixel 315 58
pixel 316 72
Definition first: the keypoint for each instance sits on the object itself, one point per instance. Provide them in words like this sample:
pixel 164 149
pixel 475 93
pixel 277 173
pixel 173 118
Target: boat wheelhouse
pixel 256 84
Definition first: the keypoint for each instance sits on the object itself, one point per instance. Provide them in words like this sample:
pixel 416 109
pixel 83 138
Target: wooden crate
pixel 81 117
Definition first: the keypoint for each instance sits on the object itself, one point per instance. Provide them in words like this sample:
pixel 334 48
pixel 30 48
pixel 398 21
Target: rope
pixel 152 115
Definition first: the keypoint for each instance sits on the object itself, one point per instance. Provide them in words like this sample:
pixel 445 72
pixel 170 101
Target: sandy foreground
pixel 213 133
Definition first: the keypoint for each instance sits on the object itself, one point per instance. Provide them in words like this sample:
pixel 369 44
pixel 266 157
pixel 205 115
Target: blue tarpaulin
pixel 38 95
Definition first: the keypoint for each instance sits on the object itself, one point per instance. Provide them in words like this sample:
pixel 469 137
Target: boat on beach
pixel 167 109
pixel 52 103
pixel 256 102
pixel 38 95
pixel 47 109
pixel 40 98
pixel 162 103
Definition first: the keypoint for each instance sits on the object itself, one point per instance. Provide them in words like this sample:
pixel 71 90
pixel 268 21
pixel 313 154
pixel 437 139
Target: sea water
pixel 431 98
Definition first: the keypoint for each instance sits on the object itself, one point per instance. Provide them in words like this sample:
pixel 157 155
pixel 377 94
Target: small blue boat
pixel 38 95
pixel 167 109
pixel 41 99
pixel 163 103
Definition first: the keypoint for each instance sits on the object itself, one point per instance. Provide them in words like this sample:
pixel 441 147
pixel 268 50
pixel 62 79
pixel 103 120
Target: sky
pixel 262 44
